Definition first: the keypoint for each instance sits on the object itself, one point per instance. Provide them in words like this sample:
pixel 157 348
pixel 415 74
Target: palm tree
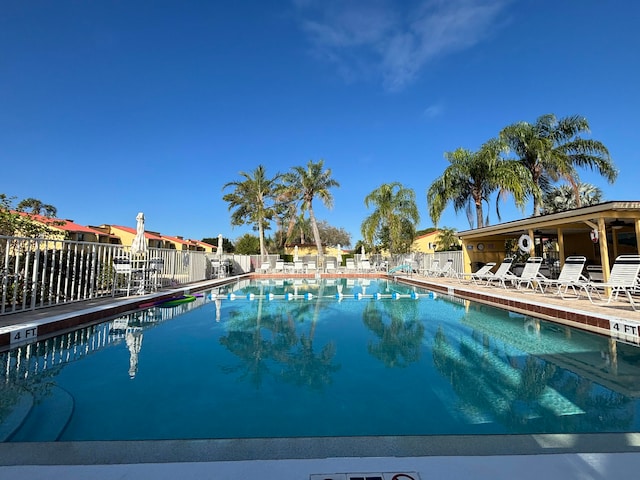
pixel 551 149
pixel 308 183
pixel 447 238
pixel 253 200
pixel 472 177
pixel 395 216
pixel 564 198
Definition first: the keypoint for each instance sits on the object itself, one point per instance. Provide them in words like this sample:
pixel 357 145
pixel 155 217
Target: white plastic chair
pixel 122 275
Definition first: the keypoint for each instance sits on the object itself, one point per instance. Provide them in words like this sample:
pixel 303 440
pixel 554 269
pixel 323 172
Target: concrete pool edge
pixel 211 450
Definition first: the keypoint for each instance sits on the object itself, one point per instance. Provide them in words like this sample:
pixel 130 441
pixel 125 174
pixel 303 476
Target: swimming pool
pixel 307 358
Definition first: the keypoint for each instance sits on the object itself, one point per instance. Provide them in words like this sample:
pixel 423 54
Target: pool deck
pixel 551 457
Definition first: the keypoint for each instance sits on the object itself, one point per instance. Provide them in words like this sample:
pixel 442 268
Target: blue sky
pixel 108 108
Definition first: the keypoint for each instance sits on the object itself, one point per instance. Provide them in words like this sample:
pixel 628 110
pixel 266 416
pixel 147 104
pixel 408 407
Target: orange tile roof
pixel 147 235
pixel 63 224
pixel 176 239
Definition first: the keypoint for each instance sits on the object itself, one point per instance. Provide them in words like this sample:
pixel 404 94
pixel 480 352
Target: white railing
pixel 21 363
pixel 37 273
pixel 420 262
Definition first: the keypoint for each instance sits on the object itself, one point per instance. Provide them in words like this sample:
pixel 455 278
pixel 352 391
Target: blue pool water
pixel 267 359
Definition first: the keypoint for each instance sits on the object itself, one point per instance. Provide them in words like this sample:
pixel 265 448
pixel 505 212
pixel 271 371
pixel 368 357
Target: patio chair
pixel 570 274
pixel 311 267
pixel 265 267
pixel 156 265
pixel 623 279
pixel 279 268
pixel 477 275
pixel 298 266
pixel 530 276
pixel 330 266
pixel 446 270
pixel 350 266
pixel 433 268
pixel 594 273
pixel 123 275
pixel 502 274
pixel 365 266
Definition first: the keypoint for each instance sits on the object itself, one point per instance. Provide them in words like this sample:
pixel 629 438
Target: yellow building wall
pixel 125 237
pixel 425 243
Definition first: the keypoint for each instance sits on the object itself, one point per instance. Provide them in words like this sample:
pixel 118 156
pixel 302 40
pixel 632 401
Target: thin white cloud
pixel 394 40
pixel 433 111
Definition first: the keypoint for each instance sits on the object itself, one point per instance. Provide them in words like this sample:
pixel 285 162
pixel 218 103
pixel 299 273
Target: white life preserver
pixel 594 235
pixel 524 243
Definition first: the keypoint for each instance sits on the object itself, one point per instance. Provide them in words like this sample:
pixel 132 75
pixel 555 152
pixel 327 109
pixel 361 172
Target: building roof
pixel 147 234
pixel 577 219
pixel 64 224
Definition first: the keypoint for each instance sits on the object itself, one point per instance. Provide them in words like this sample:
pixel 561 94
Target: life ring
pixel 532 327
pixel 594 235
pixel 524 243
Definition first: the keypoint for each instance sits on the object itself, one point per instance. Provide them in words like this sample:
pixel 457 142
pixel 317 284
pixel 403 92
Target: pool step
pixel 47 418
pixel 13 420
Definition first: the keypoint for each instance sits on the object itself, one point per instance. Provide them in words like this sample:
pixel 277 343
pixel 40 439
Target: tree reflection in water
pixel 400 341
pixel 268 344
pixel 516 391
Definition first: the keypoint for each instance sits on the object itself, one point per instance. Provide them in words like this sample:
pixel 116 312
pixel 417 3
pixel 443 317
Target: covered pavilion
pixel 600 232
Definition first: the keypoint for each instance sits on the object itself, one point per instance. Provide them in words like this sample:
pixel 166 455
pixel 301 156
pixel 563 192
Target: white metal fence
pixel 36 273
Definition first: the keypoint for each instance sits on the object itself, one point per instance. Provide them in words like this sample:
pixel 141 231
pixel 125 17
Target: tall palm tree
pixel 472 177
pixel 563 197
pixel 310 182
pixel 252 199
pixel 552 149
pixel 395 216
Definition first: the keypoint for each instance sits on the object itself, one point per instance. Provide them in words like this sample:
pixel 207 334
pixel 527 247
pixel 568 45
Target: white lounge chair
pixel 570 274
pixel 365 266
pixel 330 267
pixel 479 274
pixel 311 267
pixel 433 268
pixel 445 271
pixel 623 279
pixel 279 267
pixel 350 266
pixel 265 267
pixel 502 274
pixel 530 276
pixel 298 266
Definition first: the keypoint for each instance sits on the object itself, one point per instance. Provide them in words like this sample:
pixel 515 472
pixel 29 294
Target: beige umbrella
pixel 139 244
pixel 339 255
pixel 295 253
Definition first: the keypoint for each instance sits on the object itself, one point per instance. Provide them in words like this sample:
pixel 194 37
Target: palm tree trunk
pixel 261 235
pixel 316 232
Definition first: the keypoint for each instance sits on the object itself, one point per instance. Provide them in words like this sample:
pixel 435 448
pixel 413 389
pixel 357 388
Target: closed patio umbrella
pixel 220 250
pixel 139 244
pixel 339 255
pixel 295 253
